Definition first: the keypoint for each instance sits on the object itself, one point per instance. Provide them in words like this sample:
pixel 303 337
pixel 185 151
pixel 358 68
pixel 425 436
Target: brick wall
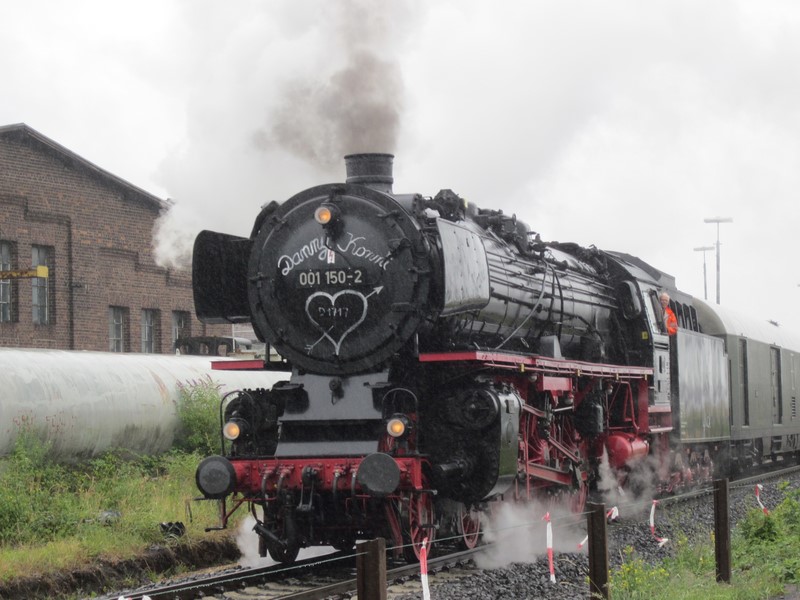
pixel 99 230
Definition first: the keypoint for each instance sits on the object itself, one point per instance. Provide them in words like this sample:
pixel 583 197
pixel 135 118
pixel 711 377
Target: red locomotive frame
pixel 553 464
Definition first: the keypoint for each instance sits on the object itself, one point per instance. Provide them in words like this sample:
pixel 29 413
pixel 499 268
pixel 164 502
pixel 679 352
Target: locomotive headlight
pixel 326 214
pixel 398 426
pixel 232 430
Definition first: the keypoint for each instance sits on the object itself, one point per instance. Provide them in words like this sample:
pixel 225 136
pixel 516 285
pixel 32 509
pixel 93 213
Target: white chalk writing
pixel 354 246
pixel 287 262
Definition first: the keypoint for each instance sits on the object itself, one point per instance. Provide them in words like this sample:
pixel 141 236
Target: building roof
pixel 21 132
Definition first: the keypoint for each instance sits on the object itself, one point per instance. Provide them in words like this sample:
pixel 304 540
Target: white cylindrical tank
pixel 84 403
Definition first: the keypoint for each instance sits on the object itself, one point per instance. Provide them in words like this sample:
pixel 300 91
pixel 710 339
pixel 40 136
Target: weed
pixel 765 559
pixel 198 407
pixel 56 516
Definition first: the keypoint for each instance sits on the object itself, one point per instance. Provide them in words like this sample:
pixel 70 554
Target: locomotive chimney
pixel 373 170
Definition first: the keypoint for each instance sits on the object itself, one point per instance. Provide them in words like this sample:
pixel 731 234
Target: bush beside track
pixel 102 516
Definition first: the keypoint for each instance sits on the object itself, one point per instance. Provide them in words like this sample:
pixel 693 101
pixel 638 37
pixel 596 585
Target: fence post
pixel 371 569
pixel 598 550
pixel 722 530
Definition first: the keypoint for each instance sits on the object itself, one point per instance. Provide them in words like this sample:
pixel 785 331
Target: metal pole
pixel 598 550
pixel 704 249
pixel 717 262
pixel 722 530
pixel 718 220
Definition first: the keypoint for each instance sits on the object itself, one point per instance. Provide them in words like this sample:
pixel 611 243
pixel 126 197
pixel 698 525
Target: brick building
pixel 93 231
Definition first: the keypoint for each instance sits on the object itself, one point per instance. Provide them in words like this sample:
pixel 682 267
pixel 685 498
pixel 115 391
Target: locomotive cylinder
pixel 625 449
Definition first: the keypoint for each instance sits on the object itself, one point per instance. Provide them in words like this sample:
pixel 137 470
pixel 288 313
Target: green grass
pixel 55 516
pixel 765 559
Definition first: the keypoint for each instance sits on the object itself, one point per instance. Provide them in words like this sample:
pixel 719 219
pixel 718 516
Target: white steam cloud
pixel 516 533
pixel 345 94
pixel 247 540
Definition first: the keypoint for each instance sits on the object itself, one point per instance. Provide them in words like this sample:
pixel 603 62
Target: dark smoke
pixel 357 108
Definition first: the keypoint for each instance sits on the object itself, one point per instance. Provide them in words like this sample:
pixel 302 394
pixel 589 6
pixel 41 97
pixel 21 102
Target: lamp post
pixel 704 249
pixel 718 220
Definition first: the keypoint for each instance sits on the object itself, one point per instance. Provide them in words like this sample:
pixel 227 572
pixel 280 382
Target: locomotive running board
pixel 540 364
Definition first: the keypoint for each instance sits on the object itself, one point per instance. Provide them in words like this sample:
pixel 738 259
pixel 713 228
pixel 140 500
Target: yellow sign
pixel 40 271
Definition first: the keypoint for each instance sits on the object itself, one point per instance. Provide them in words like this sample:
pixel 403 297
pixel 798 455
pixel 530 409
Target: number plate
pixel 316 278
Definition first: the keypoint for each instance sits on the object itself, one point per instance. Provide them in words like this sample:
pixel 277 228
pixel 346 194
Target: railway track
pixel 760 477
pixel 333 575
pixel 318 578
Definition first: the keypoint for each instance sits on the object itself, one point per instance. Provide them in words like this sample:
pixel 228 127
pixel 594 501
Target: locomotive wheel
pixel 283 554
pixel 577 498
pixel 418 524
pixel 469 526
pixel 344 544
pixel 574 500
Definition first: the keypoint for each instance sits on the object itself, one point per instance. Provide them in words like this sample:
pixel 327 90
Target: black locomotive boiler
pixel 443 356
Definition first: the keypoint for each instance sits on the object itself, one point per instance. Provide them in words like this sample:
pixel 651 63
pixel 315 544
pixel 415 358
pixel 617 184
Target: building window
pixel 42 303
pixel 6 314
pixel 181 325
pixel 150 336
pixel 117 328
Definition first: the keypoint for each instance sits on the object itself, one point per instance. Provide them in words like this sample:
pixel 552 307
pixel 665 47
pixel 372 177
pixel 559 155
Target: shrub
pixel 788 511
pixel 635 578
pixel 757 528
pixel 198 411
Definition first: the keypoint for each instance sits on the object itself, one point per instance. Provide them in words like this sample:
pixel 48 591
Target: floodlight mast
pixel 704 249
pixel 718 220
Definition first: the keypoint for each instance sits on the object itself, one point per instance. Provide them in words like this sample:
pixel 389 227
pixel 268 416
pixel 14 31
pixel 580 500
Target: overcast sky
pixel 617 124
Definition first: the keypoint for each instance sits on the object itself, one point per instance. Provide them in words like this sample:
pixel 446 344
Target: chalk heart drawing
pixel 337 315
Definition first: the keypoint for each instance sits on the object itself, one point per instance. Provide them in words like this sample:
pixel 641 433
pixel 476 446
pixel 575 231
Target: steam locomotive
pixel 442 356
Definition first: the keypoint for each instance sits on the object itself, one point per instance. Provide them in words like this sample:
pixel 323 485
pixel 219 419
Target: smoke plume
pixel 357 107
pixel 334 87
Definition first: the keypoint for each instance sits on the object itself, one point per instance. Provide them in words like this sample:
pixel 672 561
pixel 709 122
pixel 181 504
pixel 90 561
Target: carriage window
pixel 777 395
pixel 743 382
pixel 688 318
pixel 678 310
pixel 657 311
pixel 693 318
